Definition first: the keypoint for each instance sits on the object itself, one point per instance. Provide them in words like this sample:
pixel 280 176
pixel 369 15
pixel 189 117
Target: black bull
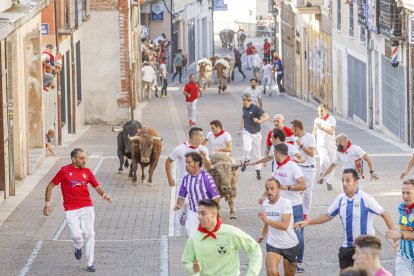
pixel 124 150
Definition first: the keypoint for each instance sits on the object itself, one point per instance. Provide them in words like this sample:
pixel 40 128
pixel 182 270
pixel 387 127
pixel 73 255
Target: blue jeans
pixel 298 216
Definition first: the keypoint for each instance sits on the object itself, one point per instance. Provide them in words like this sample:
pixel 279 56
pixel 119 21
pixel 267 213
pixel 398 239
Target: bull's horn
pixel 212 167
pixel 156 138
pixel 133 138
pixel 117 129
pixel 237 165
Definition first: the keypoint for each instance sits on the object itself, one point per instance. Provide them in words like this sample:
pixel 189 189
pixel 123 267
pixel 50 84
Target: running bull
pixel 146 151
pixel 124 151
pixel 225 173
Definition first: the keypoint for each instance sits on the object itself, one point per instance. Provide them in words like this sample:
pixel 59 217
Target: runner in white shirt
pixel 219 138
pixel 267 70
pixel 279 136
pixel 351 157
pixel 356 210
pixel 278 225
pixel 255 93
pixel 292 182
pixel 306 144
pixel 324 131
pixel 193 144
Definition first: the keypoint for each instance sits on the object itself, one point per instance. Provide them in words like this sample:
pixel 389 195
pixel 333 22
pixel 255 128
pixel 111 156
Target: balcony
pixel 407 4
pixel 306 6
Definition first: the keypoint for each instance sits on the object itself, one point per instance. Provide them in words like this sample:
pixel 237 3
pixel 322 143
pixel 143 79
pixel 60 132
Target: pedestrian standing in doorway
pixel 192 92
pixel 324 131
pixel 79 211
pixel 266 49
pixel 148 78
pixel 178 62
pixel 238 61
pixel 278 69
pixel 250 127
pixel 163 77
pixel 254 93
pixel 257 65
pixel 267 70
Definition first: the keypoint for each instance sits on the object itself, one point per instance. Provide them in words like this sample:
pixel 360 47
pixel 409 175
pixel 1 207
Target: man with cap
pixel 253 116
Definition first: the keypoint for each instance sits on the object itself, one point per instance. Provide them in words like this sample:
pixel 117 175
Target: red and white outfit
pixel 192 89
pixel 325 145
pixel 79 212
pixel 179 153
pixel 351 158
pixel 289 136
pixel 249 54
pixel 309 170
pixel 219 140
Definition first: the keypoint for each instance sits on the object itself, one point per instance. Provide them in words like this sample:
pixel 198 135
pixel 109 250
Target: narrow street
pixel 136 235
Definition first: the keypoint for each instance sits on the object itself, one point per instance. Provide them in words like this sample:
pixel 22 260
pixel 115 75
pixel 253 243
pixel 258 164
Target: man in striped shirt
pixel 405 256
pixel 198 185
pixel 356 210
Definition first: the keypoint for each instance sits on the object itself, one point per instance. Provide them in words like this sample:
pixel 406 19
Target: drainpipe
pixel 59 97
pixel 370 86
pixel 409 98
pixel 212 26
pixel 171 35
pixel 74 92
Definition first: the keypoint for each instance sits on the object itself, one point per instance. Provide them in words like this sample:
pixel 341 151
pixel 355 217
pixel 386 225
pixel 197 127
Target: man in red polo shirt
pixel 79 212
pixel 266 49
pixel 192 92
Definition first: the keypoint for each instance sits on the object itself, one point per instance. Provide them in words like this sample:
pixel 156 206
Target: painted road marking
pixel 31 259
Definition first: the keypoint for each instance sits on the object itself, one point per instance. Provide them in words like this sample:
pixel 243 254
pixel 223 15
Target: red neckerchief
pixel 409 209
pixel 326 117
pixel 347 147
pixel 218 134
pixel 189 145
pixel 210 234
pixel 287 159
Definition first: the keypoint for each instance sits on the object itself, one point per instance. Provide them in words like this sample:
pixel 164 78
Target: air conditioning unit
pixel 411 29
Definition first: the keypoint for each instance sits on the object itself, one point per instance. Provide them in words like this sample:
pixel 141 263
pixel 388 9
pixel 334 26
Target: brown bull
pixel 225 174
pixel 146 150
pixel 222 72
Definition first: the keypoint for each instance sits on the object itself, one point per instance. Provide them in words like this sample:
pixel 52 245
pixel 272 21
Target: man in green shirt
pixel 214 248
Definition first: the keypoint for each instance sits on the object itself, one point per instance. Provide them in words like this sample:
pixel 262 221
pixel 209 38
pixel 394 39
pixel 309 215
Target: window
pixel 351 20
pixel 339 15
pixel 362 34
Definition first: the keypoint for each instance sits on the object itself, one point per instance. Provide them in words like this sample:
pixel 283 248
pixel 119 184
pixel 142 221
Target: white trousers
pixel 81 226
pixel 249 61
pixel 192 222
pixel 403 266
pixel 267 83
pixel 326 157
pixel 192 110
pixel 252 145
pixel 310 175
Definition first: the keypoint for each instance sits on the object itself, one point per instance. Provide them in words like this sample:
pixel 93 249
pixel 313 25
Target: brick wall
pixel 124 62
pixel 123 99
pixel 105 5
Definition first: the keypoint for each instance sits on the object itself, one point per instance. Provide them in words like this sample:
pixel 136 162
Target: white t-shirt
pixel 267 70
pixel 179 153
pixel 324 139
pixel 308 140
pixel 218 142
pixel 351 159
pixel 287 175
pixel 256 94
pixel 281 239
